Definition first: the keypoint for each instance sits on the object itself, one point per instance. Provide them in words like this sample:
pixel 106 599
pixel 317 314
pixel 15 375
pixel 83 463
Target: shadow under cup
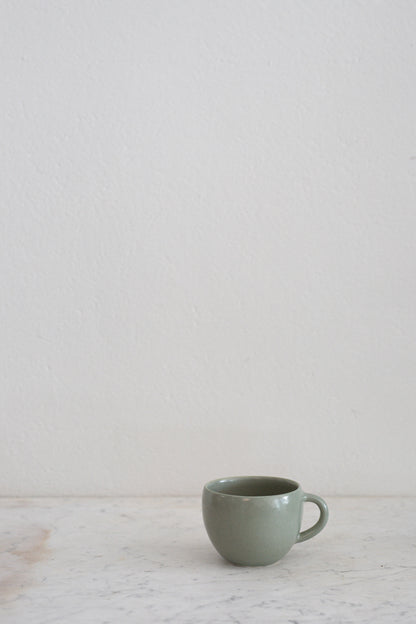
pixel 256 520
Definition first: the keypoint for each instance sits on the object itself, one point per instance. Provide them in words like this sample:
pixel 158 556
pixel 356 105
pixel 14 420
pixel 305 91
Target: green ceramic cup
pixel 255 521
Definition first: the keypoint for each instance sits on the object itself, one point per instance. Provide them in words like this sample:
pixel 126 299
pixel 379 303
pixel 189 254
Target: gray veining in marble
pixel 130 560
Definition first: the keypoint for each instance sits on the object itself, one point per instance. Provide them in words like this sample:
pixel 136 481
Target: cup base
pixel 239 564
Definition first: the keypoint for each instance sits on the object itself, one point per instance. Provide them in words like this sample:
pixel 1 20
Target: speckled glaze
pixel 255 521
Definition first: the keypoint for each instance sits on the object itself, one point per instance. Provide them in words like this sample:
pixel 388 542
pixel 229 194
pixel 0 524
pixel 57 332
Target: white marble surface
pixel 144 560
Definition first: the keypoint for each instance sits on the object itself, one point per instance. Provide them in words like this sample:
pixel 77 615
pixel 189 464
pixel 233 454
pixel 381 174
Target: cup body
pixel 252 520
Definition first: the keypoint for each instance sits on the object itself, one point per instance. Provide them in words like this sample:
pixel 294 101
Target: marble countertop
pixel 145 560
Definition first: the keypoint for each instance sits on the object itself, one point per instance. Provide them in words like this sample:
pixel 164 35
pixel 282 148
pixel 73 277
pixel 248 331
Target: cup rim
pixel 208 485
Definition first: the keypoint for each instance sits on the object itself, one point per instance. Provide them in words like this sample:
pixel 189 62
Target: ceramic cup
pixel 255 521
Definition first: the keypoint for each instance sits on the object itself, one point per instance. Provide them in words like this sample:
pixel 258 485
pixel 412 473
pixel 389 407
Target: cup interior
pixel 252 486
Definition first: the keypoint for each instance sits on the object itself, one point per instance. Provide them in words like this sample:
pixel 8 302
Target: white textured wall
pixel 208 252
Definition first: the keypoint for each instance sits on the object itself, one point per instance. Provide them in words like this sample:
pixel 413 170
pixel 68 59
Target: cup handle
pixel 323 518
